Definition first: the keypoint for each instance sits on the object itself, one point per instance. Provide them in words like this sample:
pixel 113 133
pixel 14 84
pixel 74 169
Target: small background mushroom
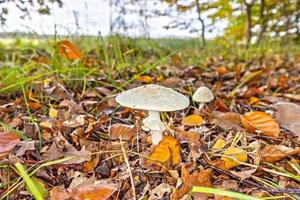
pixel 203 95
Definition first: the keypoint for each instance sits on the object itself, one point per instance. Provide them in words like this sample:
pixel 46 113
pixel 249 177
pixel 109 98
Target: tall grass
pixel 116 55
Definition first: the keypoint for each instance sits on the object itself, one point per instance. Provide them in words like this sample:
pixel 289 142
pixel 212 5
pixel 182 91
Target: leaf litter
pixel 228 143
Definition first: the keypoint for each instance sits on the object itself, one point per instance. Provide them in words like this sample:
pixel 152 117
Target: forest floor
pixel 64 136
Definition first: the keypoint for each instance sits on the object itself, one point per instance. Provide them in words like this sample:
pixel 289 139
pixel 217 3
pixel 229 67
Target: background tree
pixel 42 6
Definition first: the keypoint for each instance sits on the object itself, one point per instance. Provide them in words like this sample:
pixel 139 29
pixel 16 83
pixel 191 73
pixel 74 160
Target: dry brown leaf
pixel 274 153
pixel 167 149
pixel 202 178
pixel 260 121
pixel 68 50
pixel 191 136
pixel 62 148
pixel 245 174
pixel 159 191
pixel 192 120
pixel 8 140
pixel 25 146
pixel 93 192
pixel 59 193
pixel 126 132
pixel 288 116
pixel 228 120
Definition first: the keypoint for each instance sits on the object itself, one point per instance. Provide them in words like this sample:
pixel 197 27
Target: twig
pixel 129 170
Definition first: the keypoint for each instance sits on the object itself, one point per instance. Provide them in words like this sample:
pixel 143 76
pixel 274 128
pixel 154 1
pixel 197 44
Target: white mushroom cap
pixel 203 95
pixel 153 97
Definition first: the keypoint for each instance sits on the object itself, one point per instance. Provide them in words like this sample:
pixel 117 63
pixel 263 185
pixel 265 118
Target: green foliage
pixel 266 18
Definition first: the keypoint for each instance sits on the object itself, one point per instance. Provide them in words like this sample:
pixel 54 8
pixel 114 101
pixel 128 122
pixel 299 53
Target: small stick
pixel 129 170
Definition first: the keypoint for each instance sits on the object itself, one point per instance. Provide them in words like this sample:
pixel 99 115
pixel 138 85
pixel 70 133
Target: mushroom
pixel 203 95
pixel 154 99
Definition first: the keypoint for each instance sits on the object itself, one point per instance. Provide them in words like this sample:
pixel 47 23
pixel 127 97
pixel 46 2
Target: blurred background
pixel 243 21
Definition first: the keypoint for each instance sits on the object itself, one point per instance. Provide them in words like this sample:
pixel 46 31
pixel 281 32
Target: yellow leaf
pixel 220 143
pixel 144 79
pixel 253 101
pixel 53 112
pixel 260 121
pixel 167 149
pixel 236 154
pixel 192 120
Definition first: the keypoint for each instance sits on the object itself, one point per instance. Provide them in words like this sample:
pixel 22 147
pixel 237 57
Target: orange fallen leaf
pixel 93 192
pixel 167 149
pixel 34 105
pixel 192 120
pixel 90 165
pixel 202 178
pixel 8 141
pixel 221 70
pixel 126 132
pixel 274 153
pixel 260 121
pixel 68 50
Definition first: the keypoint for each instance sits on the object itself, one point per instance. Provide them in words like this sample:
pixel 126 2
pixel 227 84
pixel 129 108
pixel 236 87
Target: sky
pixel 93 16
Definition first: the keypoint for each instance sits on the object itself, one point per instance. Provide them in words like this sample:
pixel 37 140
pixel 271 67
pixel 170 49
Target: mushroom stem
pixel 153 115
pixel 156 136
pixel 154 124
pixel 201 105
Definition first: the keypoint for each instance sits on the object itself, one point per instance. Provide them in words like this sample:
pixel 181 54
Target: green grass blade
pixel 29 182
pixel 222 192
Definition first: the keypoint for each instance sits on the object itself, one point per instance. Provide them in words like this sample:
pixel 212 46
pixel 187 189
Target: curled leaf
pixel 167 149
pixel 68 50
pixel 202 178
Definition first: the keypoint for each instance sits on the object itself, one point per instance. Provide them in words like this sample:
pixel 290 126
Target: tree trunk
pixel 202 23
pixel 298 20
pixel 263 24
pixel 248 23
